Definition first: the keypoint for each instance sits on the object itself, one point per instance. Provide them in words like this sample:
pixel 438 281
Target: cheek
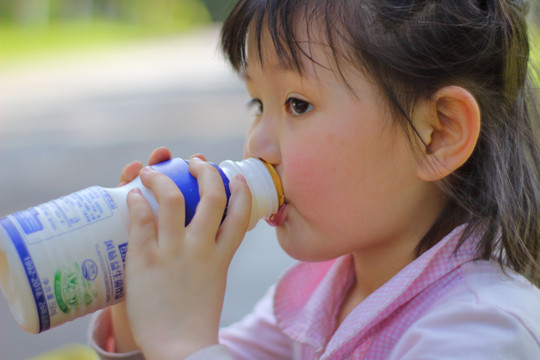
pixel 299 169
pixel 310 176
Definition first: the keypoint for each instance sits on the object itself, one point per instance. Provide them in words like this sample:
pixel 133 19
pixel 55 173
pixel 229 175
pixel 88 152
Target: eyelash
pixel 289 106
pixel 256 103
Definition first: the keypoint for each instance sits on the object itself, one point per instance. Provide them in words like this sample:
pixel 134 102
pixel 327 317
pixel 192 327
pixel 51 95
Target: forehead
pixel 310 57
pixel 306 52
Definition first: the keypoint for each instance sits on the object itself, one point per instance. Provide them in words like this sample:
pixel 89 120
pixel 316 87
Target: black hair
pixel 410 49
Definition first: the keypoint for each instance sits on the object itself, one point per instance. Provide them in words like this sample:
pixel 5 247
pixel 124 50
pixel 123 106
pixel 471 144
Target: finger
pixel 159 155
pixel 236 223
pixel 171 211
pixel 213 201
pixel 130 172
pixel 197 155
pixel 143 228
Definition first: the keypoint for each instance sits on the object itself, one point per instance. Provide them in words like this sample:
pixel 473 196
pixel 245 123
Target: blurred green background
pixel 37 27
pixel 33 28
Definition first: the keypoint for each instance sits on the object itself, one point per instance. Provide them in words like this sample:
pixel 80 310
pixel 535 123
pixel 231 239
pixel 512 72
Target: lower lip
pixel 278 218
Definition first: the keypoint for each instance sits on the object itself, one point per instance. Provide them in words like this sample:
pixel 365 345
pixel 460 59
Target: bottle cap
pixel 277 182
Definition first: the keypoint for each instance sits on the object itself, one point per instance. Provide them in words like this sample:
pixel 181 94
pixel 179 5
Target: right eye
pixel 256 105
pixel 297 107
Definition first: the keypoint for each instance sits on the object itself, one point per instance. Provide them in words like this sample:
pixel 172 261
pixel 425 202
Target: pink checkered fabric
pixel 309 295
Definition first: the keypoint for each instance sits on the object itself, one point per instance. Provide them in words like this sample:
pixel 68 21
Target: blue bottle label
pixel 177 170
pixel 31 273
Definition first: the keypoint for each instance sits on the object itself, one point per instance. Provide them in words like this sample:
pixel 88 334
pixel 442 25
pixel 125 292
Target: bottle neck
pixel 263 182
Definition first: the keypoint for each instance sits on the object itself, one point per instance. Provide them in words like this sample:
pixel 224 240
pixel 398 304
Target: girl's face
pixel 348 173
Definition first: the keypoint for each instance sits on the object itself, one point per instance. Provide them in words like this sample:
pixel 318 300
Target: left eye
pixel 297 107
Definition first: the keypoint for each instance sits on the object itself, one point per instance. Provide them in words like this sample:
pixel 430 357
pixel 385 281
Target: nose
pixel 262 140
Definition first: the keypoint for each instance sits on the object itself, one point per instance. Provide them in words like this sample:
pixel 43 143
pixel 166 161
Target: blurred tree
pixel 105 8
pixel 32 12
pixel 45 12
pixel 219 9
pixel 31 27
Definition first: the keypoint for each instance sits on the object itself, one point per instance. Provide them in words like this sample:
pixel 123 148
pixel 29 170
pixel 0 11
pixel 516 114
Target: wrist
pixel 174 350
pixel 123 337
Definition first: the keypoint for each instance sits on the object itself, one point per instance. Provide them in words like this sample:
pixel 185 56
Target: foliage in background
pixel 219 9
pixel 46 12
pixel 535 54
pixel 534 30
pixel 33 27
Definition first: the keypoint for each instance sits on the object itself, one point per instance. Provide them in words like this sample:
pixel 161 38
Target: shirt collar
pixel 309 295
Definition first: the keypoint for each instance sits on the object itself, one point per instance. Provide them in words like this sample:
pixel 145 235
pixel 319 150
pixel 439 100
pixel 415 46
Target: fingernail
pixel 238 178
pixel 148 169
pixel 135 191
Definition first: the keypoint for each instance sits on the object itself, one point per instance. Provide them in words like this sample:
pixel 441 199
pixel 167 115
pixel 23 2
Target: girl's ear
pixel 449 126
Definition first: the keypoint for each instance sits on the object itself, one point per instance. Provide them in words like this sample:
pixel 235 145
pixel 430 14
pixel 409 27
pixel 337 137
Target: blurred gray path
pixel 66 124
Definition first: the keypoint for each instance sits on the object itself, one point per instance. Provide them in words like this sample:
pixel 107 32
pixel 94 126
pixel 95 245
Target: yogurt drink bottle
pixel 65 258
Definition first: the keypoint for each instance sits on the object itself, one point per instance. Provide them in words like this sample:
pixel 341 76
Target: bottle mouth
pixel 277 182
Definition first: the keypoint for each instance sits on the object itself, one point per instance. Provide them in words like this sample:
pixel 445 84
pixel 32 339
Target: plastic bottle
pixel 65 258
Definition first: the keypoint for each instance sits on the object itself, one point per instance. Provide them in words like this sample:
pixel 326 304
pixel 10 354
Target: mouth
pixel 279 217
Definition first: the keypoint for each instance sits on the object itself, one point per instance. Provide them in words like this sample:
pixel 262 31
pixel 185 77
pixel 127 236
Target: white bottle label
pixel 70 274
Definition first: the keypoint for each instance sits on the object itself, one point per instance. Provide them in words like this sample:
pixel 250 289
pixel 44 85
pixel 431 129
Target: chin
pixel 300 249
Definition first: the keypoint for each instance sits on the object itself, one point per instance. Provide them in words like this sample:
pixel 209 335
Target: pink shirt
pixel 441 306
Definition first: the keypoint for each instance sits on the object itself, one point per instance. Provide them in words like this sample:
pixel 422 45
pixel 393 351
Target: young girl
pixel 407 141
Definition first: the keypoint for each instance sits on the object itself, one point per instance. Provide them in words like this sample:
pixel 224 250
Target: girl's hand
pixel 124 341
pixel 131 170
pixel 176 275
